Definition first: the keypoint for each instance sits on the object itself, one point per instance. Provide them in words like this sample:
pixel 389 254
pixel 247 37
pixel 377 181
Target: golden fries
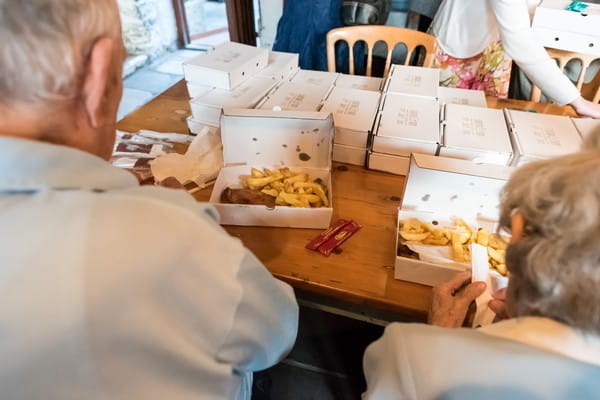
pixel 459 238
pixel 288 188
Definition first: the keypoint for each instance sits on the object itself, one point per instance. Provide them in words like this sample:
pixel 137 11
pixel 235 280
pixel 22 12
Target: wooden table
pixel 362 275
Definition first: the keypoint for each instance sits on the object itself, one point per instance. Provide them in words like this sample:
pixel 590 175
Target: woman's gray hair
pixel 555 267
pixel 44 45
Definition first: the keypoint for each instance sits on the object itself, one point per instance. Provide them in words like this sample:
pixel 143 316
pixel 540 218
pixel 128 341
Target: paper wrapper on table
pixel 413 81
pixel 359 82
pixel 558 28
pixel 388 163
pixel 354 112
pixel 476 134
pixel 322 79
pixel 282 66
pixel 407 125
pixel 227 66
pixel 439 190
pixel 540 136
pixel 587 126
pixel 200 164
pixel 295 97
pixel 208 108
pixel 466 97
pixel 301 141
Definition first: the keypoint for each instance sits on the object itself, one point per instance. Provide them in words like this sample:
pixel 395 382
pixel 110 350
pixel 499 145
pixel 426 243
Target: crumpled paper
pixel 480 272
pixel 200 164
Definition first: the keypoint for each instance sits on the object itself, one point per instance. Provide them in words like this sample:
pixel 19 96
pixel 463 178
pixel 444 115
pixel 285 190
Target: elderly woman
pixel 549 347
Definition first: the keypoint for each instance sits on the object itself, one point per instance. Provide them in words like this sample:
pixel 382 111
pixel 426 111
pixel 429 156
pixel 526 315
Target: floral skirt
pixel 488 71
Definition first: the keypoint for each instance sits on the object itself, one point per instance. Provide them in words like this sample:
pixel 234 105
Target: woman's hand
pixel 450 300
pixel 586 108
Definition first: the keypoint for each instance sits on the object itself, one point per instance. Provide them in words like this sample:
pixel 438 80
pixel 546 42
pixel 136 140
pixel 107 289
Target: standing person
pixel 110 290
pixel 477 39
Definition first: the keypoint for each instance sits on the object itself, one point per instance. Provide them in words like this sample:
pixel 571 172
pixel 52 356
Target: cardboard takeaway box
pixel 198 90
pixel 476 134
pixel 354 112
pixel 295 97
pixel 540 136
pixel 349 154
pixel 447 95
pixel 558 28
pixel 196 127
pixel 586 126
pixel 387 163
pixel 321 79
pixel 442 189
pixel 227 66
pixel 407 124
pixel 207 108
pixel 282 66
pixel 260 138
pixel 414 81
pixel 359 82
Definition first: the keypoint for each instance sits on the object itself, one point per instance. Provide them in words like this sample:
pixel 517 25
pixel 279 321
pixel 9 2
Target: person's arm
pixel 523 47
pixel 265 323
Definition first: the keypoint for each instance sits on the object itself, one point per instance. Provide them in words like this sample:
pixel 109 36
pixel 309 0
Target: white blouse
pixel 464 28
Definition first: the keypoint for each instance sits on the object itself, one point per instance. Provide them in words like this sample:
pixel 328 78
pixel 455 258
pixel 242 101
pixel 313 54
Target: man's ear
pixel 97 75
pixel 517 226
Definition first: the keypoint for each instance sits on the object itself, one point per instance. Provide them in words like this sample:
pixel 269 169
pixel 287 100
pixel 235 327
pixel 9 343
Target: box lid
pixel 410 80
pixel 454 187
pixel 279 61
pixel 226 57
pixel 264 137
pixel 475 128
pixel 296 97
pixel 315 78
pixel 245 95
pixel 410 117
pixel 448 95
pixel 359 82
pixel 543 135
pixel 352 108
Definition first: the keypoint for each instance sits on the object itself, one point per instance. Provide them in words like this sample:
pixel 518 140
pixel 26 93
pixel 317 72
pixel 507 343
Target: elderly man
pixel 110 290
pixel 550 347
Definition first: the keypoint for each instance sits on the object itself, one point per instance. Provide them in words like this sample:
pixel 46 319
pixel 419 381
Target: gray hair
pixel 44 45
pixel 555 267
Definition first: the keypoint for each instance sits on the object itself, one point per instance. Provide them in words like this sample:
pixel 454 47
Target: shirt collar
pixel 547 334
pixel 27 165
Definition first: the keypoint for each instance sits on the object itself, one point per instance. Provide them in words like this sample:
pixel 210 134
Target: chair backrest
pixel 562 58
pixel 372 34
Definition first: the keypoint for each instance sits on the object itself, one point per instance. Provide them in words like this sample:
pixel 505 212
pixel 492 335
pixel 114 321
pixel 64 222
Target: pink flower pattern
pixel 488 71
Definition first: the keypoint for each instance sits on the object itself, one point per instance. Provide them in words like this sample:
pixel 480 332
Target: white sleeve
pixel 523 47
pixel 387 370
pixel 265 323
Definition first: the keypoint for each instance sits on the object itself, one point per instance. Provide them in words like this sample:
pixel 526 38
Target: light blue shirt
pixel 115 291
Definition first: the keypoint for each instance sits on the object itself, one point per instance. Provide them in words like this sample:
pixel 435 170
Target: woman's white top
pixel 464 28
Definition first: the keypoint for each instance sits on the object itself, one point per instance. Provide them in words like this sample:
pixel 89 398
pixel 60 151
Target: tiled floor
pixel 150 81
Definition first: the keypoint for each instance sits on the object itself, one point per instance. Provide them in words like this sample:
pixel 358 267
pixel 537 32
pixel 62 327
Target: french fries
pixel 458 238
pixel 288 188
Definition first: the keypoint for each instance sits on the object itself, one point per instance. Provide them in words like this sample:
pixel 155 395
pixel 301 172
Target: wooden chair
pixel 372 34
pixel 562 57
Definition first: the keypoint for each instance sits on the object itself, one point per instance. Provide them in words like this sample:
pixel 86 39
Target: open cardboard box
pixel 558 28
pixel 301 141
pixel 476 134
pixel 295 97
pixel 354 112
pixel 208 107
pixel 413 81
pixel 540 136
pixel 227 66
pixel 282 66
pixel 359 82
pixel 441 189
pixel 407 124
